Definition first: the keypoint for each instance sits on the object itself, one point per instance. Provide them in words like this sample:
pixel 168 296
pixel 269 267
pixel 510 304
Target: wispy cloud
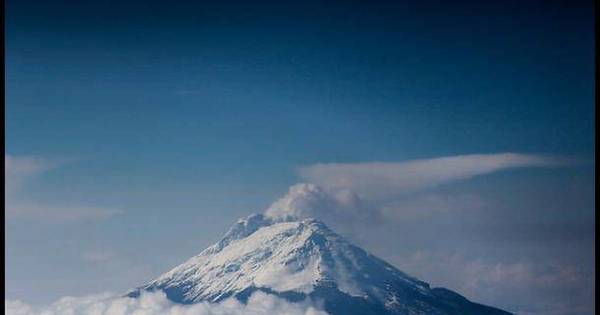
pixel 373 180
pixel 56 214
pixel 157 304
pixel 343 210
pixel 545 287
pixel 21 170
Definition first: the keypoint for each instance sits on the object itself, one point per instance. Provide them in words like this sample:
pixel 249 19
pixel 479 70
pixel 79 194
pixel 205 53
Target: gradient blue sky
pixel 180 118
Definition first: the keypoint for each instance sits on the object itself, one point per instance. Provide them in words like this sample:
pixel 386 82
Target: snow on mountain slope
pixel 299 260
pixel 285 256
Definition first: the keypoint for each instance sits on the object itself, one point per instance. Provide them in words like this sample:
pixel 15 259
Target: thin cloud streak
pixel 375 180
pixel 19 171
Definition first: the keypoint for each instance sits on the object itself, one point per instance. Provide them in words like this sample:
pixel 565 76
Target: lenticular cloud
pixel 156 303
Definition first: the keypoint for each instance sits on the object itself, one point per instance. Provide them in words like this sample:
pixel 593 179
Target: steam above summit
pixel 302 201
pixel 341 208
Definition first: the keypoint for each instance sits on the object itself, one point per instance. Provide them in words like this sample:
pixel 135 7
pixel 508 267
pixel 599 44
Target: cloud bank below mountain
pixel 156 303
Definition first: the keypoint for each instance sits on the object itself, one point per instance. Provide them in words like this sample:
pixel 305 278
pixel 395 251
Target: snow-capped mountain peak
pixel 300 259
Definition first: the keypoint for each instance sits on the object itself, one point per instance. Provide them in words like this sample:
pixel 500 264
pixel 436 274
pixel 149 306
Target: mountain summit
pixel 304 259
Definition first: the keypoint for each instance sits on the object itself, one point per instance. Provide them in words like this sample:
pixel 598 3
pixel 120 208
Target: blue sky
pixel 166 123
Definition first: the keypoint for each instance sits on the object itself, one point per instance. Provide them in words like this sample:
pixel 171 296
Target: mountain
pixel 305 259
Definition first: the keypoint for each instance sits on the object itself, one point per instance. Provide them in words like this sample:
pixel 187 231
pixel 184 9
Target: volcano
pixel 304 259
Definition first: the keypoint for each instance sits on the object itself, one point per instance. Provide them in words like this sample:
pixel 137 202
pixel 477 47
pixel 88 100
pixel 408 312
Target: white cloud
pixel 309 200
pixel 19 171
pixel 377 180
pixel 17 307
pixel 525 287
pixel 343 210
pixel 157 304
